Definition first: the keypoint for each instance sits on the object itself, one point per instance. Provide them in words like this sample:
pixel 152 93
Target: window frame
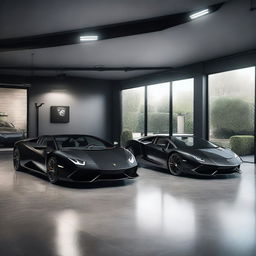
pixel 170 103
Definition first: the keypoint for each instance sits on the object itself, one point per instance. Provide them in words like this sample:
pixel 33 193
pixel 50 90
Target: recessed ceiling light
pixel 88 38
pixel 199 14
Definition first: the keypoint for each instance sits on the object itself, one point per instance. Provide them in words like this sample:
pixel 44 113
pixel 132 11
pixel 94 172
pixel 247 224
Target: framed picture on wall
pixel 59 114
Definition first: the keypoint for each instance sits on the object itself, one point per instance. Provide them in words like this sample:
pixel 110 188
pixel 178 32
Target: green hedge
pixel 125 136
pixel 158 122
pixel 242 144
pixel 231 117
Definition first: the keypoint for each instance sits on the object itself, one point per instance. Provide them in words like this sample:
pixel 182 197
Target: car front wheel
pixel 175 164
pixel 52 171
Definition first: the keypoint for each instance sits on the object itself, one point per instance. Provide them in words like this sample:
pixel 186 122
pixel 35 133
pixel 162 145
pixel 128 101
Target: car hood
pixel 217 153
pixel 106 159
pixel 219 156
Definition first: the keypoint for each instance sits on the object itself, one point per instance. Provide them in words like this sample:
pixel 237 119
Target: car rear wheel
pixel 16 159
pixel 175 165
pixel 52 171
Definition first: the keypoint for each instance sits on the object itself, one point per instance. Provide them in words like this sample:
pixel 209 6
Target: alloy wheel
pixel 52 172
pixel 175 164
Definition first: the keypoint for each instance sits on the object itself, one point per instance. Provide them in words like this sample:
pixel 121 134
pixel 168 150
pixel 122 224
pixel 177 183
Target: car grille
pixel 91 176
pixel 82 175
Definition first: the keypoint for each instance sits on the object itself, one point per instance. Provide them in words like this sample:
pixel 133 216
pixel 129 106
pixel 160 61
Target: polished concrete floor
pixel 157 214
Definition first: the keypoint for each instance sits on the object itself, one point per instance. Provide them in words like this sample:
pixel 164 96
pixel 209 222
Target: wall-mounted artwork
pixel 59 114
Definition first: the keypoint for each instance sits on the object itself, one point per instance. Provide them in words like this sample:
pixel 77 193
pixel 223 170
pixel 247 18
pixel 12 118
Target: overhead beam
pixel 126 69
pixel 102 32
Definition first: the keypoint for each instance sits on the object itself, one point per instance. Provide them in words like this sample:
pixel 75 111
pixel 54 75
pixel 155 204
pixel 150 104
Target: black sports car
pixel 79 158
pixel 185 154
pixel 9 134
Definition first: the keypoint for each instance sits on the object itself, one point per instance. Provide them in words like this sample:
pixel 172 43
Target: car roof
pixel 66 135
pixel 167 136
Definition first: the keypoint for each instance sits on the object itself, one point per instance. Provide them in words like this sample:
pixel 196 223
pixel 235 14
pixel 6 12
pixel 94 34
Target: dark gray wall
pixel 90 101
pixel 90 104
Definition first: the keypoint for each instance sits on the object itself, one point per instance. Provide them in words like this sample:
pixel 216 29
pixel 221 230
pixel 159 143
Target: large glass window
pixel 183 101
pixel 231 110
pixel 133 111
pixel 158 108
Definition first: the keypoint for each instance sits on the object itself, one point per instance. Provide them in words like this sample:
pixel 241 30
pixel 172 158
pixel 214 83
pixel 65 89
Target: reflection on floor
pixel 157 214
pixel 6 149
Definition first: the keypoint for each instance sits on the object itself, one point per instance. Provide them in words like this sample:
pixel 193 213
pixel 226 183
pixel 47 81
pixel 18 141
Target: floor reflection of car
pixel 9 134
pixel 185 154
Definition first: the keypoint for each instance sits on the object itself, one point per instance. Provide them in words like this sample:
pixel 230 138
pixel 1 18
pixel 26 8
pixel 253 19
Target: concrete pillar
pixel 201 106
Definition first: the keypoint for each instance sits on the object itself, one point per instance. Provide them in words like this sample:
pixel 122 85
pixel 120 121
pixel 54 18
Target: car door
pixel 156 151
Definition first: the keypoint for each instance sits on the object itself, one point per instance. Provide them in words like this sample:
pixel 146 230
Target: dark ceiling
pixel 228 31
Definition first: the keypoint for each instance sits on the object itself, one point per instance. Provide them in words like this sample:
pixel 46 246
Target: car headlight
pixel 237 156
pixel 77 161
pixel 199 159
pixel 131 159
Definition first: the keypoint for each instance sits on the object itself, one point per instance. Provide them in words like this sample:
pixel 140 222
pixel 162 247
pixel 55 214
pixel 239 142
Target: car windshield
pixel 81 142
pixel 4 124
pixel 192 142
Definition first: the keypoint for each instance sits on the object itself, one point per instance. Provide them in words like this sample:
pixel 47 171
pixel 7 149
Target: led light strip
pixel 199 14
pixel 88 38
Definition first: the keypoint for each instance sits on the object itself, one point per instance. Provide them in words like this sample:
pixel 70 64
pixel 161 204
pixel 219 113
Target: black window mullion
pixel 254 116
pixel 146 111
pixel 207 107
pixel 170 111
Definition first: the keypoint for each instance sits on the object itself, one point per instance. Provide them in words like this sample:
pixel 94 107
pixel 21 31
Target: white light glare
pixel 199 14
pixel 88 38
pixel 77 161
pixel 132 159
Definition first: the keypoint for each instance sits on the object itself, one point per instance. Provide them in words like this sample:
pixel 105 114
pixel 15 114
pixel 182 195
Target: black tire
pixel 16 160
pixel 52 170
pixel 175 165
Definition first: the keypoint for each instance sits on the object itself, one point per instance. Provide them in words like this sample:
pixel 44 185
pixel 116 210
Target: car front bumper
pixel 212 170
pixel 89 176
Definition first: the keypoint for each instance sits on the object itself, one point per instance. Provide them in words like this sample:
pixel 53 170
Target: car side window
pixel 162 142
pixel 147 140
pixel 40 140
pixel 170 146
pixel 93 141
pixel 49 143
